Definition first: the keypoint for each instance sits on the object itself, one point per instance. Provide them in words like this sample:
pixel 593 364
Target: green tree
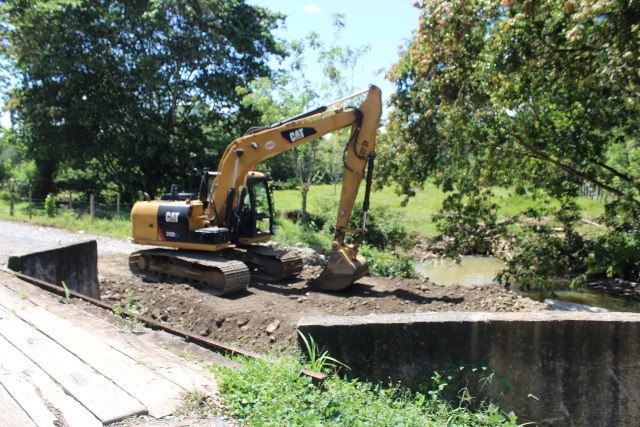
pixel 130 94
pixel 542 94
pixel 291 92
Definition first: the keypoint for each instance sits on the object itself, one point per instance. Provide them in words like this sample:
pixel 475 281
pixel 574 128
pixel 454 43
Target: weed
pixel 127 314
pixel 319 360
pixel 194 401
pixel 67 292
pixel 187 354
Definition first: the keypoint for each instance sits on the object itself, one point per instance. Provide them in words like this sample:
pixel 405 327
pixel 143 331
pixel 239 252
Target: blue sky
pixel 385 25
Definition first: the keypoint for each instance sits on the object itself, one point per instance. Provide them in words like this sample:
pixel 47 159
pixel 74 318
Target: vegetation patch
pixel 272 392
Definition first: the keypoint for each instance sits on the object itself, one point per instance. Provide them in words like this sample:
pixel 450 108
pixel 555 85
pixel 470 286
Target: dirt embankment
pixel 264 317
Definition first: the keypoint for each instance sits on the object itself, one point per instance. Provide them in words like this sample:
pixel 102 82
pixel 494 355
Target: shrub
pixel 385 226
pixel 50 206
pixel 387 264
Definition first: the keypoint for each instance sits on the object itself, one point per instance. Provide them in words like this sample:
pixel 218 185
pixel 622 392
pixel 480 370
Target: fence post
pixel 30 205
pixel 118 205
pixel 91 207
pixel 11 205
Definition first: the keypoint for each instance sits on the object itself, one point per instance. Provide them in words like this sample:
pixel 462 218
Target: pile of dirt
pixel 264 317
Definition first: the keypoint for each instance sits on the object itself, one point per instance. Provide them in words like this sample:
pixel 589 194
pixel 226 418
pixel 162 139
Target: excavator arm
pixel 242 155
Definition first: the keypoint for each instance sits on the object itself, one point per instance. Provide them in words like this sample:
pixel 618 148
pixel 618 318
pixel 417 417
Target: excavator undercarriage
pixel 220 273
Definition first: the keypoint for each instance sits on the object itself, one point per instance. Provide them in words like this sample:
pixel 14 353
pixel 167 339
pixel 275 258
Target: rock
pixel 273 326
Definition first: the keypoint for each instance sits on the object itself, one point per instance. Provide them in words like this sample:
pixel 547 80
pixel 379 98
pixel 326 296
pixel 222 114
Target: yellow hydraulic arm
pixel 243 154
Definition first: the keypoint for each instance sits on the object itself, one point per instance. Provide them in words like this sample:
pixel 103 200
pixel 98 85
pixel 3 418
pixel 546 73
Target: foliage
pixel 290 92
pixel 542 96
pixel 293 234
pixel 385 226
pixel 615 255
pixel 387 264
pixel 472 218
pixel 381 263
pixel 262 392
pixel 320 360
pixel 50 206
pixel 130 93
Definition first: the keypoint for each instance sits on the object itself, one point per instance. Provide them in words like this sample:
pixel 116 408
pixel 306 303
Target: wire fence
pixel 79 207
pixel 593 192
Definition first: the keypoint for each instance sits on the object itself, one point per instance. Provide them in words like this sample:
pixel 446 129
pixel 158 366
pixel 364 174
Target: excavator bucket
pixel 342 271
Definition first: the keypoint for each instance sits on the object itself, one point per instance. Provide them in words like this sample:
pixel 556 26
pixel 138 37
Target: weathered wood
pixel 11 415
pixel 26 395
pixel 98 394
pixel 160 396
pixel 69 411
pixel 142 346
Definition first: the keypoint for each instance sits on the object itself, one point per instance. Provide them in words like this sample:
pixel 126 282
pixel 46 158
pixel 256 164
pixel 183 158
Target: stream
pixel 479 270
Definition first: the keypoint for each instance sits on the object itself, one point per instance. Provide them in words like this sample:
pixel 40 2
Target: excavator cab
pixel 255 216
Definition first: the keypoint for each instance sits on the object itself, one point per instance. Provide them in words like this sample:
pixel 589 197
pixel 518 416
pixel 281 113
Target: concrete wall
pixel 76 265
pixel 582 368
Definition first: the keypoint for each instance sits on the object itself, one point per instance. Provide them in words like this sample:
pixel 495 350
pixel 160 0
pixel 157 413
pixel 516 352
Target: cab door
pixel 255 211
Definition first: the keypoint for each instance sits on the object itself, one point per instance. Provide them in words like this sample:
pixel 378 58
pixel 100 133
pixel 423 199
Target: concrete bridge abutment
pixel 550 367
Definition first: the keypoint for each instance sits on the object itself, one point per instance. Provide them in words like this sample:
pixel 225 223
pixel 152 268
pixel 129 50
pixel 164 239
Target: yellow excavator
pixel 214 239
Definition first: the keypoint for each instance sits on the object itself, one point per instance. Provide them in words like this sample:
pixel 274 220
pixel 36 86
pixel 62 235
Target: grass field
pixel 417 213
pixel 419 210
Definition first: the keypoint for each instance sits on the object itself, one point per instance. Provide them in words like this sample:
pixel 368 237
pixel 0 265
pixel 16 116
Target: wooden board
pixel 142 346
pixel 11 415
pixel 27 396
pixel 160 396
pixel 68 411
pixel 98 394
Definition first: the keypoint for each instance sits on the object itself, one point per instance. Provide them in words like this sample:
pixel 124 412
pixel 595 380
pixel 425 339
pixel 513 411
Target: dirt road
pixel 265 316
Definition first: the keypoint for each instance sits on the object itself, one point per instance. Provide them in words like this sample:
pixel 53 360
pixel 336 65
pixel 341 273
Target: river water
pixel 478 270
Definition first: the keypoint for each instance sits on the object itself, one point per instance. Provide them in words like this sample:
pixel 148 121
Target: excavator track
pixel 220 276
pixel 266 262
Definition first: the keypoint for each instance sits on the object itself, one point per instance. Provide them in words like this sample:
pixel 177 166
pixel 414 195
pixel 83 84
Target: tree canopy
pixel 543 95
pixel 131 94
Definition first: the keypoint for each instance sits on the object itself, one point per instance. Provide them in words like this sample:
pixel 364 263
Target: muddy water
pixel 477 270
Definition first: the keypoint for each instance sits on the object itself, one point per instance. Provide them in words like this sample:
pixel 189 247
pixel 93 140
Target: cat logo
pixel 172 216
pixel 294 135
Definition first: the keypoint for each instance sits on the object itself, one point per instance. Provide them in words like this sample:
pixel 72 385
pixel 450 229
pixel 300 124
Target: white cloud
pixel 311 8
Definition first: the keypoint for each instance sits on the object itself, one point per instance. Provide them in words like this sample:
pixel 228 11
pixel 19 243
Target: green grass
pixel 419 209
pixel 118 227
pixel 417 213
pixel 273 393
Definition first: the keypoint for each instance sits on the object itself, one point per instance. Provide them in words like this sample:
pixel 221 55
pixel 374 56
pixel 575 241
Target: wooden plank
pixel 143 346
pixel 98 394
pixel 27 396
pixel 11 414
pixel 160 396
pixel 69 411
